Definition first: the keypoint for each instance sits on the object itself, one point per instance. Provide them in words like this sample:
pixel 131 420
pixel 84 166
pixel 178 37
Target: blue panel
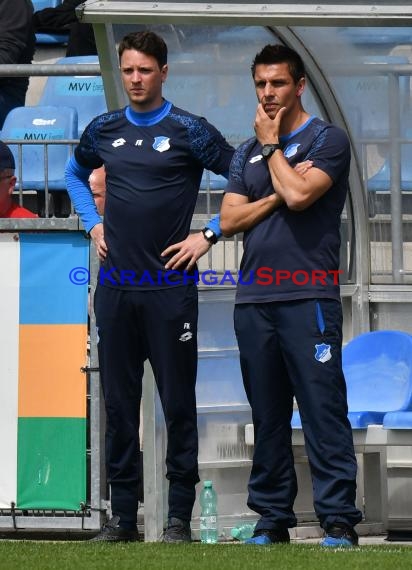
pixel 53 278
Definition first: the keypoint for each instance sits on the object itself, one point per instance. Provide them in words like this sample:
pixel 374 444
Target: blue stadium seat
pixel 85 93
pixel 378 372
pixel 58 39
pixel 380 182
pixel 398 420
pixel 296 422
pixel 41 123
pixel 42 4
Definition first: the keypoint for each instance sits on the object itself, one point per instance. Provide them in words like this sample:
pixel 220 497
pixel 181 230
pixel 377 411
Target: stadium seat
pixel 42 4
pixel 378 372
pixel 212 181
pixel 85 93
pixel 381 181
pixel 398 420
pixel 47 124
pixel 57 39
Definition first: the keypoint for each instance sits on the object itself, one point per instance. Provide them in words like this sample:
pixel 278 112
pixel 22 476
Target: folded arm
pixel 238 214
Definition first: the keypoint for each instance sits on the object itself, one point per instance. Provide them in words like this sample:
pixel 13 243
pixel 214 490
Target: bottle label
pixel 208 522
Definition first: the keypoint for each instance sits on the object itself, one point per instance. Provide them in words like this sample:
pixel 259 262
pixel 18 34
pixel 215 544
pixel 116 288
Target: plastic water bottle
pixel 243 531
pixel 208 514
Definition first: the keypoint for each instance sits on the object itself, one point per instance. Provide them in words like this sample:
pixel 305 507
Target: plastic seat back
pixel 378 373
pixel 84 93
pixel 46 124
pixel 42 4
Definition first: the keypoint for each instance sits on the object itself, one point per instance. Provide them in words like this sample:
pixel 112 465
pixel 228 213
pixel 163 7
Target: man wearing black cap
pixel 8 209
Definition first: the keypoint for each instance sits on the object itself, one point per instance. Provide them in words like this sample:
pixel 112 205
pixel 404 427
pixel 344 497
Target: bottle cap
pixel 207 484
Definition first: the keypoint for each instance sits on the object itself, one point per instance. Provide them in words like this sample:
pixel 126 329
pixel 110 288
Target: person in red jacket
pixel 8 209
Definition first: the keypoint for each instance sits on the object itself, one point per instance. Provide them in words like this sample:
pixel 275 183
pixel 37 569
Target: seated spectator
pixel 97 182
pixel 17 42
pixel 63 19
pixel 8 209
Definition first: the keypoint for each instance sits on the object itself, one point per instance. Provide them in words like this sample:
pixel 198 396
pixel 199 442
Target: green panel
pixel 51 463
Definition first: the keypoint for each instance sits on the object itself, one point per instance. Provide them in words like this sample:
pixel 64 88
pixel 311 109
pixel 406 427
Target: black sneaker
pixel 177 531
pixel 340 536
pixel 112 532
pixel 264 537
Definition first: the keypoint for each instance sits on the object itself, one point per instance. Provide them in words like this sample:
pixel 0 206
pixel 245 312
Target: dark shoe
pixel 263 537
pixel 177 531
pixel 340 536
pixel 112 532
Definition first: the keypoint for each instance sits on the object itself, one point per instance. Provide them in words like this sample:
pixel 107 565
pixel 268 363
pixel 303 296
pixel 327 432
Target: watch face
pixel 269 149
pixel 210 235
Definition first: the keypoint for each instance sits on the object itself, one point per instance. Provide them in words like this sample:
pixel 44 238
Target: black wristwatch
pixel 210 235
pixel 269 149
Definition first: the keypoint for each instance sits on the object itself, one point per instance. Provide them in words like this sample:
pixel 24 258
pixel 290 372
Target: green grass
pixel 29 555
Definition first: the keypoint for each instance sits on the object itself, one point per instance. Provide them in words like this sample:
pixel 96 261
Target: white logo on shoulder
pixel 161 144
pixel 118 142
pixel 139 142
pixel 291 150
pixel 42 122
pixel 256 158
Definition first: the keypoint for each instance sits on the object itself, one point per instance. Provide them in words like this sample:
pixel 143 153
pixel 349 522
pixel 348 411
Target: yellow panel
pixel 50 381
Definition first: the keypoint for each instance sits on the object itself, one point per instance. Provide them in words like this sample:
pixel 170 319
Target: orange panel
pixel 50 381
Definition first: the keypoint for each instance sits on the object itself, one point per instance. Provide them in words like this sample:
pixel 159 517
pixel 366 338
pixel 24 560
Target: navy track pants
pixel 160 326
pixel 279 360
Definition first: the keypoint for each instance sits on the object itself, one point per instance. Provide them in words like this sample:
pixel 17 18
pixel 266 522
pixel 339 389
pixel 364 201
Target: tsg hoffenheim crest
pixel 323 353
pixel 161 144
pixel 291 150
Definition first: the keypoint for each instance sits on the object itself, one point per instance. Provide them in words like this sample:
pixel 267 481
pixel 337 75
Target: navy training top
pixel 154 163
pixel 293 254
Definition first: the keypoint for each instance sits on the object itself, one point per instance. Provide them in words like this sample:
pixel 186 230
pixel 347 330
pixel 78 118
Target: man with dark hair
pixel 17 42
pixel 288 322
pixel 154 154
pixel 8 209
